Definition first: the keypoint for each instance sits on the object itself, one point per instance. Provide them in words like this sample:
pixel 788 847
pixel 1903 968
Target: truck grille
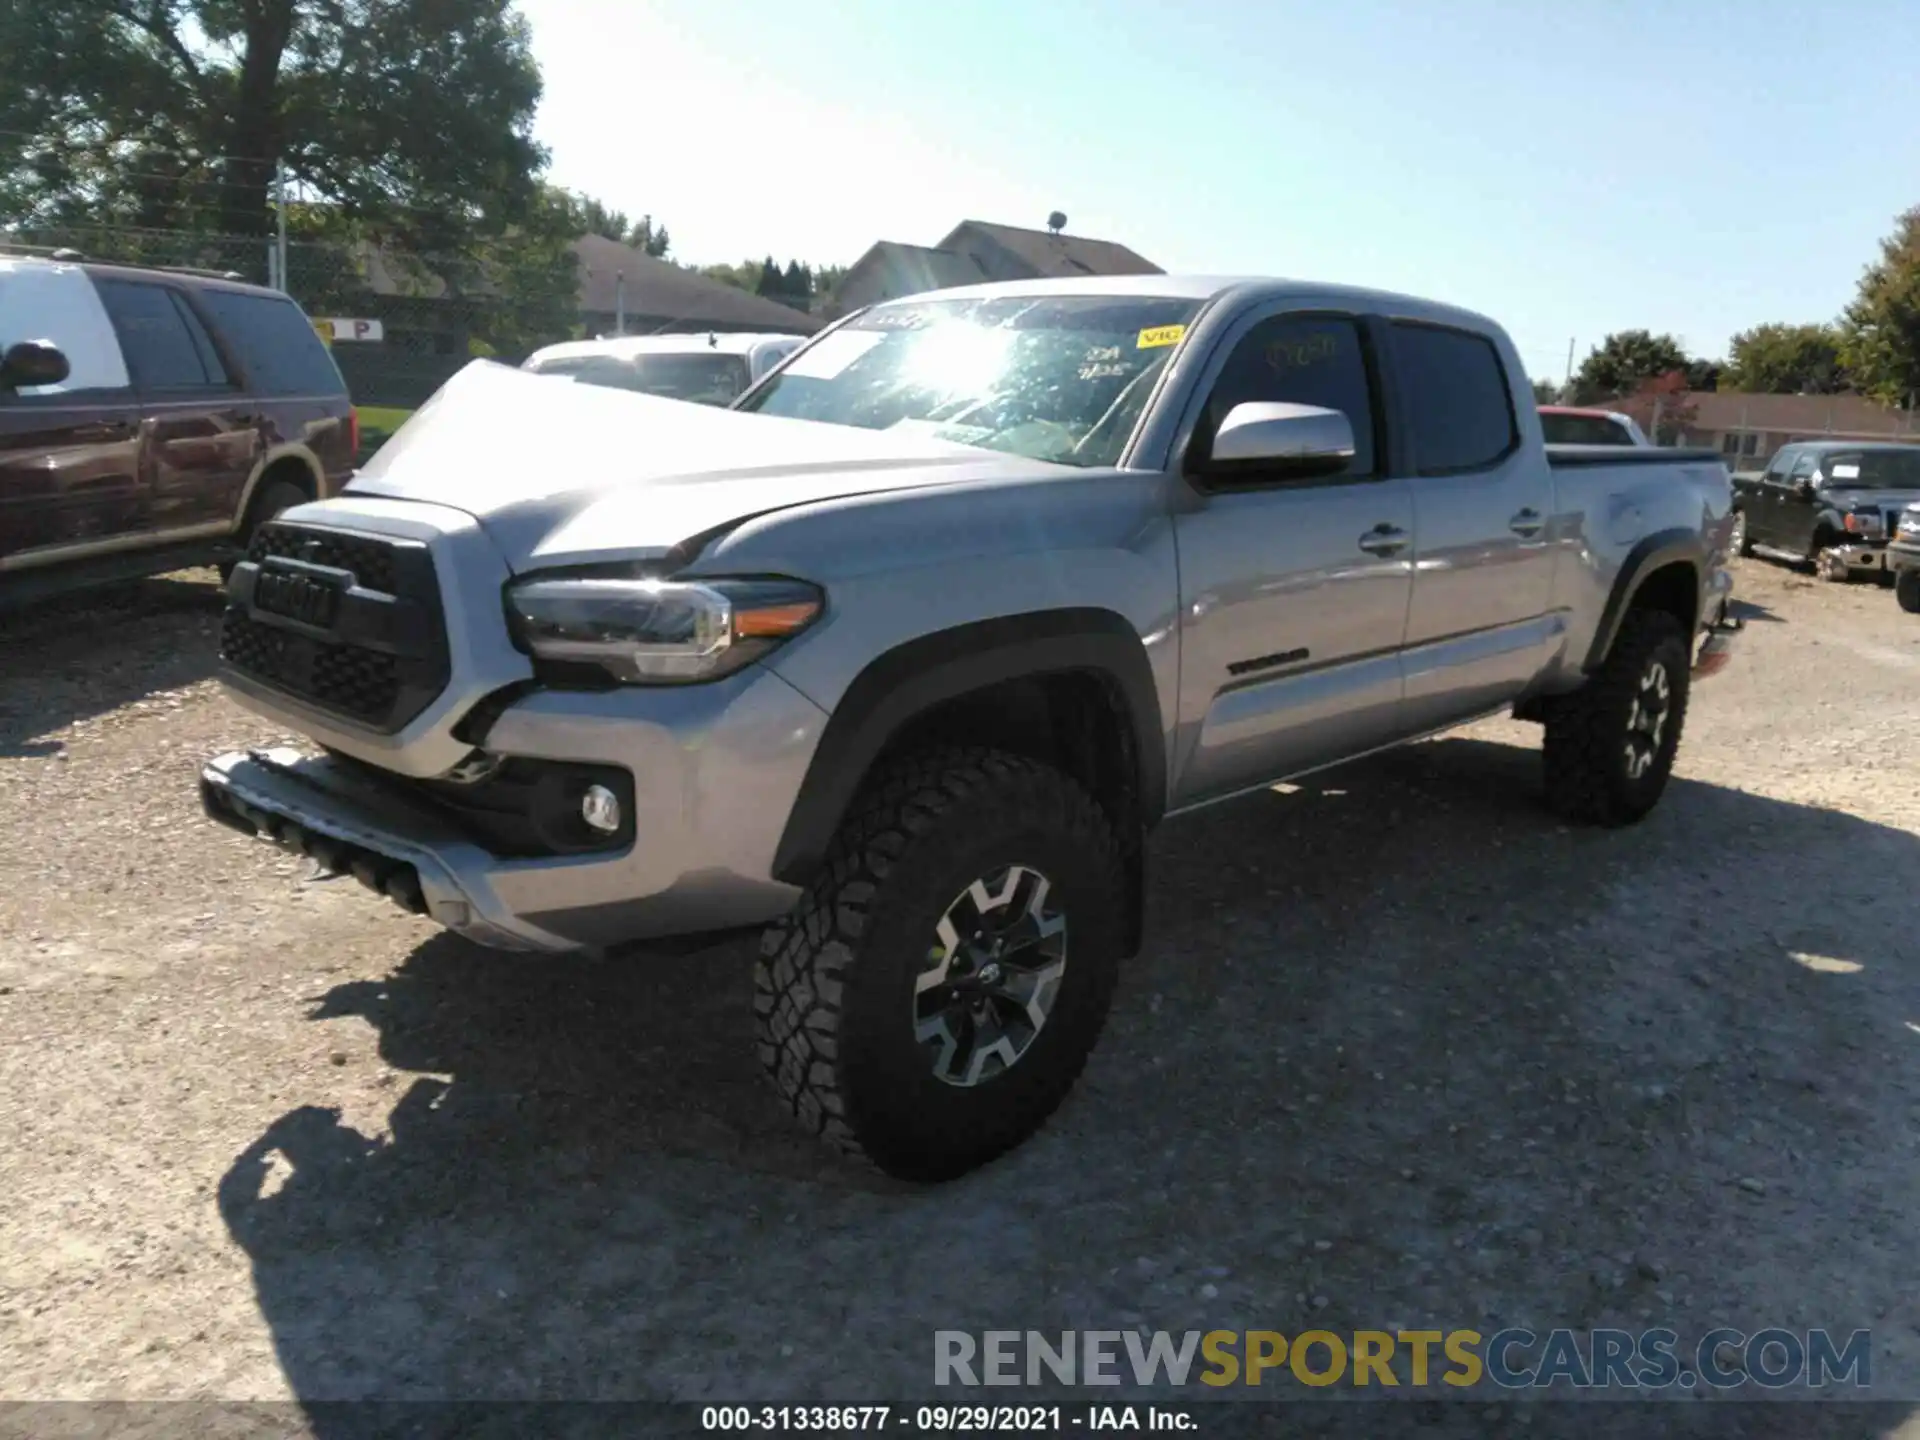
pixel 350 623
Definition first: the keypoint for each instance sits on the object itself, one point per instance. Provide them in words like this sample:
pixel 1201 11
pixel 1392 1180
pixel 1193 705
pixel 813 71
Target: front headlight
pixel 659 632
pixel 1910 524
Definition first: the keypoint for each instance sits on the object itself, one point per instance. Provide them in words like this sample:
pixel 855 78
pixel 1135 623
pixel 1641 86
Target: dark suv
pixel 151 419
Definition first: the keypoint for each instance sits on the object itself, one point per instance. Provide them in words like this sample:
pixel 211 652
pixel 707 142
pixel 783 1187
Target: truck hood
pixel 560 473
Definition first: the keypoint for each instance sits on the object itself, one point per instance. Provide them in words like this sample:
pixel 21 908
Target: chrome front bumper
pixel 1843 562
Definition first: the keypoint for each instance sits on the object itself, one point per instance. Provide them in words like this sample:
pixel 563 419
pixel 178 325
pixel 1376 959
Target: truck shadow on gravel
pixel 1401 1051
pixel 71 659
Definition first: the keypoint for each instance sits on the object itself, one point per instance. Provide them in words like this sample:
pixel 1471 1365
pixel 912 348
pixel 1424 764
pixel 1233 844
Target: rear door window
pixel 167 348
pixel 1458 403
pixel 275 343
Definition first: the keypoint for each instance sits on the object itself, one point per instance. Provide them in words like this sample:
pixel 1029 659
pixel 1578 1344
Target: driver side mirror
pixel 1803 487
pixel 1276 440
pixel 32 362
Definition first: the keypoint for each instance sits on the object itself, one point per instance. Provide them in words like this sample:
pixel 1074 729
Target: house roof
pixel 919 267
pixel 1809 415
pixel 658 289
pixel 1051 254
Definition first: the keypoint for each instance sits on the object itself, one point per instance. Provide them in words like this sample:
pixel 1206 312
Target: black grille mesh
pixel 363 683
pixel 383 682
pixel 371 561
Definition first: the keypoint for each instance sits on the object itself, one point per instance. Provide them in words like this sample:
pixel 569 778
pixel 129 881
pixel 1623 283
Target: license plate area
pixel 308 595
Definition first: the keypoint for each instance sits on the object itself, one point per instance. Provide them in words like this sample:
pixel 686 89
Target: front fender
pixel 911 679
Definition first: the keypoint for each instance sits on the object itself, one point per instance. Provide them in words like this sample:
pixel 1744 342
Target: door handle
pixel 1384 539
pixel 1527 522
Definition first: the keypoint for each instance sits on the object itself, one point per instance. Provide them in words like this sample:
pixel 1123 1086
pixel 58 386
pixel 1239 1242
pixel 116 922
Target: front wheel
pixel 1610 745
pixel 1906 590
pixel 934 996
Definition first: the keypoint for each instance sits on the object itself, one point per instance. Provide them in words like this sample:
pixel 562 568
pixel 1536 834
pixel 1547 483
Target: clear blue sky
pixel 1569 169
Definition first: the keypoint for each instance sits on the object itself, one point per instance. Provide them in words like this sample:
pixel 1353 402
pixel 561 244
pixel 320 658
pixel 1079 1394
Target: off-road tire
pixel 834 987
pixel 273 497
pixel 1587 772
pixel 1906 590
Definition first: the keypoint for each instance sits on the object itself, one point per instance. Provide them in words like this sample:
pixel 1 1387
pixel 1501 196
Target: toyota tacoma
pixel 903 655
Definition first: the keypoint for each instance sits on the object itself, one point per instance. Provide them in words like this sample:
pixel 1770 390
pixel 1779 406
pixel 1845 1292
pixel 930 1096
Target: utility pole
pixel 280 232
pixel 620 302
pixel 1568 385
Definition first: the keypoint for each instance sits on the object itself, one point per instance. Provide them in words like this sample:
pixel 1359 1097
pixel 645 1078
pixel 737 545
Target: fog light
pixel 600 808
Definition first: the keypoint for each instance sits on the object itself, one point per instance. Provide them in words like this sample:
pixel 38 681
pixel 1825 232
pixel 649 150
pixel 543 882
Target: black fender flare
pixel 912 678
pixel 1652 553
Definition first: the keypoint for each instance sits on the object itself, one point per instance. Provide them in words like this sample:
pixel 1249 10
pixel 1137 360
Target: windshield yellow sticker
pixel 1158 335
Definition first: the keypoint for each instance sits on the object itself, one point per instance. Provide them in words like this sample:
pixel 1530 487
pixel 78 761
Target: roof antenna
pixel 1056 222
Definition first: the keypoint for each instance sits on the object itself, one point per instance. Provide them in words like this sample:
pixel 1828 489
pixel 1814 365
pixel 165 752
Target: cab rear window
pixel 1584 430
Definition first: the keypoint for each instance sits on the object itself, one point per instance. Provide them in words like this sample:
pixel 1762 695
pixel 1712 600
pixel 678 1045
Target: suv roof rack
pixel 68 255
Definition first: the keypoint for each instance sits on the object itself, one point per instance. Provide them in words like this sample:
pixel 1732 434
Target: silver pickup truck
pixel 903 655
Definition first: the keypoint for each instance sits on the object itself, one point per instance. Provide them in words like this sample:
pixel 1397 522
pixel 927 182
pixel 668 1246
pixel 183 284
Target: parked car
pixel 1570 425
pixel 1903 559
pixel 1830 504
pixel 711 369
pixel 904 656
pixel 152 419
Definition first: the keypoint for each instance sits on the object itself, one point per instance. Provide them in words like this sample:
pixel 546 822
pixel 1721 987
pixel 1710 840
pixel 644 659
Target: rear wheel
pixel 1742 544
pixel 1906 589
pixel 1610 745
pixel 934 996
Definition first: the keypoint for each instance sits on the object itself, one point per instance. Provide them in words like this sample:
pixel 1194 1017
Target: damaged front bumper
pixel 318 808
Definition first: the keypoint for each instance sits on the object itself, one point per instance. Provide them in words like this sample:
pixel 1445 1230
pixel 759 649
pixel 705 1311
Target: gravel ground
pixel 1400 1051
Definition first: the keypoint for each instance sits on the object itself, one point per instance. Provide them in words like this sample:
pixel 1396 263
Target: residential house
pixel 625 290
pixel 1747 429
pixel 974 252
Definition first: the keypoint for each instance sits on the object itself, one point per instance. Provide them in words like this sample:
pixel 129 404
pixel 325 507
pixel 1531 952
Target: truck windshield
pixel 707 379
pixel 1873 470
pixel 1059 378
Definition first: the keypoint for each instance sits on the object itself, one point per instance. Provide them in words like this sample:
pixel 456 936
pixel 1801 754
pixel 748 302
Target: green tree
pixel 1880 333
pixel 1786 360
pixel 1622 361
pixel 414 115
pixel 1545 392
pixel 649 238
pixel 770 284
pixel 594 218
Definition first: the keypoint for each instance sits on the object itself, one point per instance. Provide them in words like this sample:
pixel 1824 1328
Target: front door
pixel 200 433
pixel 1294 593
pixel 1797 506
pixel 70 481
pixel 1482 623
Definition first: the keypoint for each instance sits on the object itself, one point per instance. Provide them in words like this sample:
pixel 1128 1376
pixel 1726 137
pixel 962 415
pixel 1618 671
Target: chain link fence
pixel 432 314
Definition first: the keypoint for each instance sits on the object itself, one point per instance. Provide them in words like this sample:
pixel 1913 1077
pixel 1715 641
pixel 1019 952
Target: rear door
pixel 200 431
pixel 1293 592
pixel 1483 622
pixel 70 481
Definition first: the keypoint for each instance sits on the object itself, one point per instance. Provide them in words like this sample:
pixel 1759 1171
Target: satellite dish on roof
pixel 1056 222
